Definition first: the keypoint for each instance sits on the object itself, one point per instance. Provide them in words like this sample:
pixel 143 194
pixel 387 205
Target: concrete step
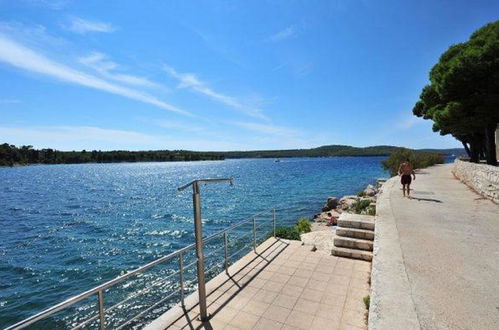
pixel 352 253
pixel 355 233
pixel 358 221
pixel 353 243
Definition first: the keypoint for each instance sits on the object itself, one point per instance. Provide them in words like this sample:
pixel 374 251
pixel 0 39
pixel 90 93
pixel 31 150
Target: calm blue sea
pixel 67 228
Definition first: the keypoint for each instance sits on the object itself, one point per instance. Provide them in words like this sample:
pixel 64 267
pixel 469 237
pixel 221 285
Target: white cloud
pixel 83 26
pixel 27 59
pixel 100 63
pixel 408 123
pixel 9 101
pixel 190 80
pixel 90 138
pixel 268 129
pixel 284 34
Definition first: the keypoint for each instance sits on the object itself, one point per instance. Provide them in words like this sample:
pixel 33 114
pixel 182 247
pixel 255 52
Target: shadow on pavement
pixel 427 199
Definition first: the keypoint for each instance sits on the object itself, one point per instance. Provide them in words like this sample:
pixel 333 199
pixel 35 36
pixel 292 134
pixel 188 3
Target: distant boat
pixel 277 160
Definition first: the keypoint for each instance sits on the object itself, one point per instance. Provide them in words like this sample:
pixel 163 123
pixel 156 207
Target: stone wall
pixel 484 179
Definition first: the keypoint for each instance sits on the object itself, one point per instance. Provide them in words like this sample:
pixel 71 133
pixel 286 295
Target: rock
pixel 347 202
pixel 332 203
pixel 329 217
pixel 370 190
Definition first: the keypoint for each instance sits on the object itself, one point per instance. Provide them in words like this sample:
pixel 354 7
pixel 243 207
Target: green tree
pixel 462 98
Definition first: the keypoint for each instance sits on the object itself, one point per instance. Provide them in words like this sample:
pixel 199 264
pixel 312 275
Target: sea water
pixel 67 228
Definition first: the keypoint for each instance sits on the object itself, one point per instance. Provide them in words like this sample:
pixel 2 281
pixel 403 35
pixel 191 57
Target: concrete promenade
pixel 283 286
pixel 436 257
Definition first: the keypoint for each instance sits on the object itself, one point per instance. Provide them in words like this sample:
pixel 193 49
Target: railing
pixel 99 290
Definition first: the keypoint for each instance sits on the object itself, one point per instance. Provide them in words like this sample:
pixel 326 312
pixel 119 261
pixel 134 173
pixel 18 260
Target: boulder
pixel 347 202
pixel 332 203
pixel 327 217
pixel 370 190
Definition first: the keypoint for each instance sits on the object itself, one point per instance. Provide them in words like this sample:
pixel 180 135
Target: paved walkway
pixel 436 263
pixel 284 286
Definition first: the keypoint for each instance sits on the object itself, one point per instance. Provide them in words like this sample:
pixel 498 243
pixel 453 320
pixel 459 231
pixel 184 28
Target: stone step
pixel 352 253
pixel 359 221
pixel 353 243
pixel 355 233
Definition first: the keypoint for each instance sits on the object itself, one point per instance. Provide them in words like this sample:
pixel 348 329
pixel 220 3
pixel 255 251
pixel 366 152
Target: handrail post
pixel 198 231
pixel 254 235
pixel 273 220
pixel 203 313
pixel 181 273
pixel 226 252
pixel 100 299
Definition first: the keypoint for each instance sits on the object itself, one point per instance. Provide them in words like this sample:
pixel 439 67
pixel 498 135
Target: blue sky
pixel 223 75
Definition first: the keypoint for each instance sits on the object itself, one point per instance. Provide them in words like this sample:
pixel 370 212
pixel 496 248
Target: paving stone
pixel 320 323
pixel 286 270
pixel 281 278
pixel 273 286
pixel 306 306
pixel 256 307
pixel 265 296
pixel 266 324
pixel 244 320
pixel 312 295
pixel 276 313
pixel 292 290
pixel 286 296
pixel 298 281
pixel 226 314
pixel 285 301
pixel 300 320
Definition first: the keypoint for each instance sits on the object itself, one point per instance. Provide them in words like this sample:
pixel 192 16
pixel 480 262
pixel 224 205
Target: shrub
pixel 417 159
pixel 367 301
pixel 361 206
pixel 371 210
pixel 287 233
pixel 303 225
pixel 361 194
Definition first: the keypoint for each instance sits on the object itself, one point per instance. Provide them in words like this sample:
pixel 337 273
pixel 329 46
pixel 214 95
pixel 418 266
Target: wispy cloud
pixel 218 47
pixel 191 81
pixel 101 63
pixel 90 137
pixel 287 33
pixel 9 101
pixel 269 129
pixel 408 123
pixel 27 59
pixel 83 26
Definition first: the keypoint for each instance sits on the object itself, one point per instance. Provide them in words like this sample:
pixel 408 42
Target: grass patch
pixel 371 210
pixel 367 301
pixel 361 194
pixel 360 206
pixel 303 225
pixel 287 233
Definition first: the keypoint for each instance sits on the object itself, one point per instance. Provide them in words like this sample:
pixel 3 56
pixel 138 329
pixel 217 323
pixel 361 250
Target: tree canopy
pixel 462 98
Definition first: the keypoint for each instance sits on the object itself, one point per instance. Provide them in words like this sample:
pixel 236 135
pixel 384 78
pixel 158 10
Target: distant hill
pixel 329 151
pixel 11 155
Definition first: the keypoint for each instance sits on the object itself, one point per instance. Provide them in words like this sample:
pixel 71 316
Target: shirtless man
pixel 405 171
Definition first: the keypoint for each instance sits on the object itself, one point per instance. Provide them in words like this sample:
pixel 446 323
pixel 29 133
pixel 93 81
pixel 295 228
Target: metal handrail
pixel 99 290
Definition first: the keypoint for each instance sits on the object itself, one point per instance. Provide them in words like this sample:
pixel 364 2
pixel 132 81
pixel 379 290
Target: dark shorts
pixel 406 179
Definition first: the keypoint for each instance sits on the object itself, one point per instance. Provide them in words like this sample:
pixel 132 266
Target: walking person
pixel 405 171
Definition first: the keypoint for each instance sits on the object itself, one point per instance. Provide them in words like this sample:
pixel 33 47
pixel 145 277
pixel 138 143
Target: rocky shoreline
pixel 362 203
